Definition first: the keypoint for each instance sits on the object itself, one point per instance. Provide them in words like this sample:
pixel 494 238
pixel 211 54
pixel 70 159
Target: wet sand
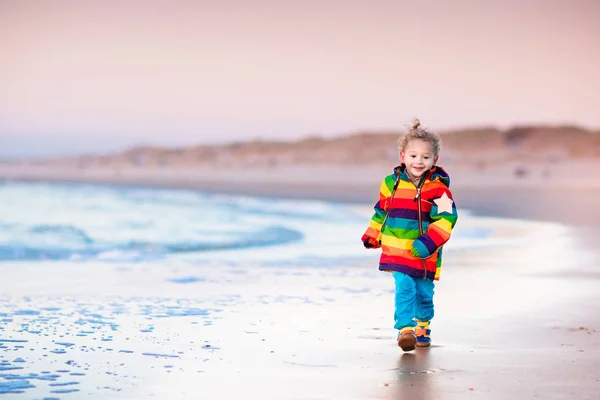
pixel 510 323
pixel 519 321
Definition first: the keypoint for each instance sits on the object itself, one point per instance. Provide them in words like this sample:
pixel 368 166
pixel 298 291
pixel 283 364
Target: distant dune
pixel 526 156
pixel 479 146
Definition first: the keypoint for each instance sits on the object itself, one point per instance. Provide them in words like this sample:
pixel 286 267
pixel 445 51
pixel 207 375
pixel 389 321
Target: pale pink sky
pixel 102 75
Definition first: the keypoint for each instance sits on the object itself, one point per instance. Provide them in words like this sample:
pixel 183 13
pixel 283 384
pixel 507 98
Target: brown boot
pixel 407 341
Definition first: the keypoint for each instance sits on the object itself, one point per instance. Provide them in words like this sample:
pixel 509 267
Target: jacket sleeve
pixel 443 214
pixel 378 217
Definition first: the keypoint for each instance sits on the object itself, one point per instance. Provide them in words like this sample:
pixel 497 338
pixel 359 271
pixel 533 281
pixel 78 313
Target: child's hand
pixel 371 243
pixel 419 250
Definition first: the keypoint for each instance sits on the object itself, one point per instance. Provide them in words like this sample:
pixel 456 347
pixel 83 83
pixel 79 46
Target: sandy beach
pixel 517 320
pixel 184 187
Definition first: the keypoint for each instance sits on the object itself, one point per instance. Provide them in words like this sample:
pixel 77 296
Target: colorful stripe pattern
pixel 404 330
pixel 423 332
pixel 400 235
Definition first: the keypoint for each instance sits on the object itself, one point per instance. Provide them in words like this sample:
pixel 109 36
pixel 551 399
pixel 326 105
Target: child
pixel 413 218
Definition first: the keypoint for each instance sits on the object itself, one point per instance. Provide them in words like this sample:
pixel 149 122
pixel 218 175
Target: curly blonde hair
pixel 416 132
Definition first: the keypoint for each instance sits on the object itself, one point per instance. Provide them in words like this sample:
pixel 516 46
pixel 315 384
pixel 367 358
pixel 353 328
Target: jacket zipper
pixel 418 198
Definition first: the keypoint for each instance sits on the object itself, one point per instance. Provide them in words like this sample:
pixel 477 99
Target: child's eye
pixel 413 156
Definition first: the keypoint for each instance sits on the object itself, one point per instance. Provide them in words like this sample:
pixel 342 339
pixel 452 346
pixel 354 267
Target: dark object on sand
pixel 520 172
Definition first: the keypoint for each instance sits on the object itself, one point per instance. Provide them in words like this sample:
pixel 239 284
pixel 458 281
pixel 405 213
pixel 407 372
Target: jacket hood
pixel 435 173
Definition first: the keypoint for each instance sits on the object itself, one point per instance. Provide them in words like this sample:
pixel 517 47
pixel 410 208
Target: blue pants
pixel 413 300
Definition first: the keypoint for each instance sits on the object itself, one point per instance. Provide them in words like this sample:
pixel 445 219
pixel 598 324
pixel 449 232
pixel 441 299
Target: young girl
pixel 413 219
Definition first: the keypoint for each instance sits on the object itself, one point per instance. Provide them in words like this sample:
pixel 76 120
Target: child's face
pixel 418 157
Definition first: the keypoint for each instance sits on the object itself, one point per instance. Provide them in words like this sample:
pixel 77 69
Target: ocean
pixel 126 292
pixel 84 223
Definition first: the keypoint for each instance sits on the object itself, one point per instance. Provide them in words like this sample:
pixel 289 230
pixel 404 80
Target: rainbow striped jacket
pixel 413 221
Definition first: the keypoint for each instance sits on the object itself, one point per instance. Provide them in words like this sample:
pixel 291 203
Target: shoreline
pixel 571 205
